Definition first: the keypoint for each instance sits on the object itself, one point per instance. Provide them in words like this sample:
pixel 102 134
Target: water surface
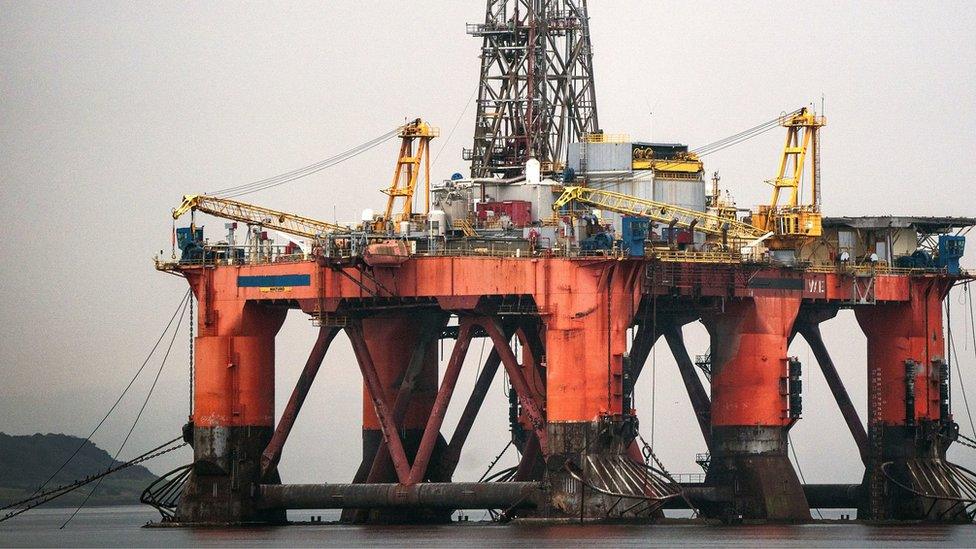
pixel 121 527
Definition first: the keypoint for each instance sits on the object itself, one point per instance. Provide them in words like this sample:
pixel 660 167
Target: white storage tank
pixel 533 172
pixel 437 222
pixel 684 192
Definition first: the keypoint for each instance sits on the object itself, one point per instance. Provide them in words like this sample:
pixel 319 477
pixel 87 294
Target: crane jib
pixel 658 211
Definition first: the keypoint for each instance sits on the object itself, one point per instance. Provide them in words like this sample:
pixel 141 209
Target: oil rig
pixel 561 242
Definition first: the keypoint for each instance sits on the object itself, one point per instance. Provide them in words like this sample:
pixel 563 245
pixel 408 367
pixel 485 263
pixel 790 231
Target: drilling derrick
pixel 536 92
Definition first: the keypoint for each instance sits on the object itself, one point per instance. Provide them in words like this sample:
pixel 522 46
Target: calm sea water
pixel 121 527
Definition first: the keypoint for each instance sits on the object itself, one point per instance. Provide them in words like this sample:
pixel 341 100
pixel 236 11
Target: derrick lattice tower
pixel 536 90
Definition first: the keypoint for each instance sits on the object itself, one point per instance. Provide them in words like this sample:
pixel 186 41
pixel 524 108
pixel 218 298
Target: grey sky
pixel 111 111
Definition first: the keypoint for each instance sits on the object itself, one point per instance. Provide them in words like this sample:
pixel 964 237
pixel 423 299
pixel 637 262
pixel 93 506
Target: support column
pixel 233 413
pixel 905 420
pixel 591 307
pixel 750 411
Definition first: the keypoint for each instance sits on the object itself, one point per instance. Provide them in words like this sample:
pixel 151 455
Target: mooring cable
pixel 796 461
pixel 280 179
pixel 145 402
pixel 457 122
pixel 118 400
pixel 50 495
pixel 962 384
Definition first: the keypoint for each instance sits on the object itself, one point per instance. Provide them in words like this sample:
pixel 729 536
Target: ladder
pixel 876 483
pixel 465 227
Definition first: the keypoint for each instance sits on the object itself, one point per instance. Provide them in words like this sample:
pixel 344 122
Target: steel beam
pixel 531 455
pixel 391 434
pixel 272 454
pixel 433 427
pixel 452 456
pixel 700 401
pixel 811 333
pixel 517 377
pixel 427 495
pixel 644 341
pixel 381 459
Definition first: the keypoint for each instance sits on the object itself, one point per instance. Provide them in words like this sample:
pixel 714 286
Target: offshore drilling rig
pixel 564 238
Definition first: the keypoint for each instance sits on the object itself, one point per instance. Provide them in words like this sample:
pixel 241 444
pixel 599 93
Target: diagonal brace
pixel 272 453
pixel 375 389
pixel 433 427
pixel 517 377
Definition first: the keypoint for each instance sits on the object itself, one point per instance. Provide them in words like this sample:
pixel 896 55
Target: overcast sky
pixel 111 111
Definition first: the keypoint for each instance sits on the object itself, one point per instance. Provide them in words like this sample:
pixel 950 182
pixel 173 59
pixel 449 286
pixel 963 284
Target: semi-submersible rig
pixel 563 239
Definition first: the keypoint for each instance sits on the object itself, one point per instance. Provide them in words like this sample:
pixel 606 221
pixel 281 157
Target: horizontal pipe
pixel 496 495
pixel 819 496
pixel 443 495
pixel 832 496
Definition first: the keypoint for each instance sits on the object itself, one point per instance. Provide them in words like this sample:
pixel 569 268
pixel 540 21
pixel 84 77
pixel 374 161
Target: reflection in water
pixel 120 526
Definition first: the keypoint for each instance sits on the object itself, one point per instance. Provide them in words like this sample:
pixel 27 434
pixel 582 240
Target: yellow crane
pixel 256 215
pixel 412 162
pixel 792 220
pixel 660 212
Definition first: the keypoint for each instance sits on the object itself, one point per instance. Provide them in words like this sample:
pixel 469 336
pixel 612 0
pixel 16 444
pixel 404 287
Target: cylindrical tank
pixel 687 193
pixel 437 222
pixel 404 228
pixel 533 172
pixel 367 215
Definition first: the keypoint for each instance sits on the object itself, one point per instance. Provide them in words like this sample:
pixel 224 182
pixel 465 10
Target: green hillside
pixel 27 461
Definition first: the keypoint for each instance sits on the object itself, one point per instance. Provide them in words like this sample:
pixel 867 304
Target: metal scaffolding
pixel 536 85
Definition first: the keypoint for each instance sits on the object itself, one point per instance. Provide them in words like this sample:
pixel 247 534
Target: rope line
pixel 142 409
pixel 281 179
pixel 118 400
pixel 40 499
pixel 796 461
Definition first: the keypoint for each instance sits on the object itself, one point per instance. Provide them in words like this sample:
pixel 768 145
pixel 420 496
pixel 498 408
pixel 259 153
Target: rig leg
pixel 750 412
pixel 587 428
pixel 233 413
pixel 909 421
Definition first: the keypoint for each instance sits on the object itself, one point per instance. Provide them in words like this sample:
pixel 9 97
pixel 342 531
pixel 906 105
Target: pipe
pixel 819 496
pixel 444 495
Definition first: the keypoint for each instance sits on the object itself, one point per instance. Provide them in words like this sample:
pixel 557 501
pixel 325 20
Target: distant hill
pixel 27 461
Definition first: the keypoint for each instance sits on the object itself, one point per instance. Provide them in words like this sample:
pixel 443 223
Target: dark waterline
pixel 121 527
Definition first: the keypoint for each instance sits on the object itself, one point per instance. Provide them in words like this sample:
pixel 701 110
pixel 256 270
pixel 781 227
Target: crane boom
pixel 256 215
pixel 658 211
